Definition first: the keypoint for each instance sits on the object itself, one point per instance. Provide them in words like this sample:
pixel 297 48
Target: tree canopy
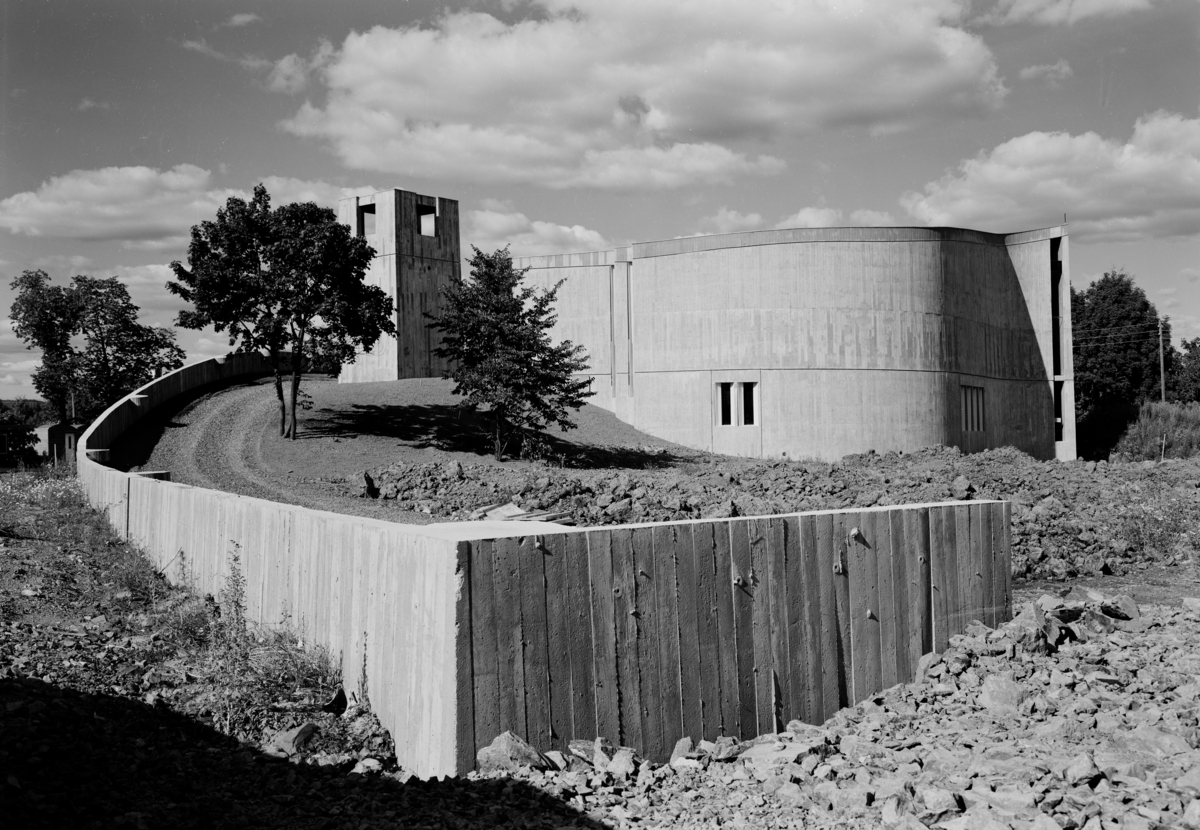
pixel 496 334
pixel 1115 329
pixel 117 353
pixel 286 282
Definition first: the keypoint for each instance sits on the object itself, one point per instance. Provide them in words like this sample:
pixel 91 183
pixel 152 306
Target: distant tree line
pixel 1116 353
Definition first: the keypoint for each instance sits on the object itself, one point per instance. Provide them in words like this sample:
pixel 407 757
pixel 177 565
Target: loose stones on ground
pixel 1079 715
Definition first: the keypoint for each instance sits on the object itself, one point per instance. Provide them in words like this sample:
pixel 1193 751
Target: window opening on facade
pixel 973 409
pixel 1056 303
pixel 366 220
pixel 1058 410
pixel 737 404
pixel 726 403
pixel 427 215
pixel 748 413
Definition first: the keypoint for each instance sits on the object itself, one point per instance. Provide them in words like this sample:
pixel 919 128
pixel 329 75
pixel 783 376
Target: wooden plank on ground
pixel 464 726
pixel 972 578
pixel 646 621
pixel 986 565
pixel 625 618
pixel 783 707
pixel 666 552
pixel 484 654
pixel 731 721
pixel 581 647
pixel 831 669
pixel 839 556
pixel 712 657
pixel 690 658
pixel 803 653
pixel 756 585
pixel 864 602
pixel 886 609
pixel 742 585
pixel 608 712
pixel 921 587
pixel 901 561
pixel 558 639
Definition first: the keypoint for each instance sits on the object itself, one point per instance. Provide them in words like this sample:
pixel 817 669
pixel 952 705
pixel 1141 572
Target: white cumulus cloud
pixel 812 217
pixel 145 208
pixel 640 94
pixel 243 19
pixel 1059 12
pixel 726 220
pixel 1052 74
pixel 496 224
pixel 1145 188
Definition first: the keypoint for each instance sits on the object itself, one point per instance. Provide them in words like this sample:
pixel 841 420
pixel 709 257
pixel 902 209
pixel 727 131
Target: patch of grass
pixel 1158 519
pixel 1178 423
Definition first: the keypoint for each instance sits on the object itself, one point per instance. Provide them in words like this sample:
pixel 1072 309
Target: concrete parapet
pixel 641 634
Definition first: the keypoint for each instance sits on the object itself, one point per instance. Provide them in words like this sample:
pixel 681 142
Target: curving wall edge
pixel 384 598
pixel 457 632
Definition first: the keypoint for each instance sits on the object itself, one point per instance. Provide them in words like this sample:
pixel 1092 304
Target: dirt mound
pixel 1068 519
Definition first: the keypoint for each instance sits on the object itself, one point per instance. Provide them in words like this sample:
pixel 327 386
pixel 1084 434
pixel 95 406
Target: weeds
pixel 1178 423
pixel 1158 519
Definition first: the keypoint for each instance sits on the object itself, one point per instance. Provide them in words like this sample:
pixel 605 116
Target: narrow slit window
pixel 427 215
pixel 725 391
pixel 366 220
pixel 973 409
pixel 1058 410
pixel 749 415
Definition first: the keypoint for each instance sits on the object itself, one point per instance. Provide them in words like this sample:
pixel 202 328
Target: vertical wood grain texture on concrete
pixel 665 553
pixel 648 644
pixel 558 639
pixel 860 338
pixel 641 634
pixel 776 552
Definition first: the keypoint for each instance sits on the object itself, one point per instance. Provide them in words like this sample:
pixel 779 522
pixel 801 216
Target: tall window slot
pixel 972 409
pixel 748 413
pixel 737 404
pixel 366 220
pixel 725 393
pixel 1056 303
pixel 1058 410
pixel 427 216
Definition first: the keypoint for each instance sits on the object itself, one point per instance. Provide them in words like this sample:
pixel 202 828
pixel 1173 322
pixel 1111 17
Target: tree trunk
pixel 279 392
pixel 297 352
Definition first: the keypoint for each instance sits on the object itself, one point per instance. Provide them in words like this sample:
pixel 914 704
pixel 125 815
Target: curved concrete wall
pixel 641 634
pixel 383 598
pixel 858 338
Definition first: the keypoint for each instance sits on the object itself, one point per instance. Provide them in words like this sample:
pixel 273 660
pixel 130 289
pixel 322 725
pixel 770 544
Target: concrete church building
pixel 804 343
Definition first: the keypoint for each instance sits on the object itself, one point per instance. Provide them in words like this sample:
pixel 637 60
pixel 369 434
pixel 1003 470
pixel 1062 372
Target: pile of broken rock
pixel 1077 714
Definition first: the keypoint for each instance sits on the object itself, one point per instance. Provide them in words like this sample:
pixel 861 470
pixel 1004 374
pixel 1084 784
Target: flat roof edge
pixel 747 239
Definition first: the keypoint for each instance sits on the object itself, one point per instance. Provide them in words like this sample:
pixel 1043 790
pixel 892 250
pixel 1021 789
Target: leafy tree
pixel 496 334
pixel 286 282
pixel 1116 358
pixel 118 353
pixel 1185 385
pixel 17 438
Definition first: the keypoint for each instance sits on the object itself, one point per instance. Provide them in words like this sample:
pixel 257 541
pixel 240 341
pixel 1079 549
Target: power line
pixel 1117 328
pixel 1115 343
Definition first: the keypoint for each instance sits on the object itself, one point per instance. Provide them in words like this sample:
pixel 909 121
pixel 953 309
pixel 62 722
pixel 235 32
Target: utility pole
pixel 1162 373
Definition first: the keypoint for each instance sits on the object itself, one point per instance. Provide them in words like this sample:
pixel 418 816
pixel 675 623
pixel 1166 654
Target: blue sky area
pixel 568 126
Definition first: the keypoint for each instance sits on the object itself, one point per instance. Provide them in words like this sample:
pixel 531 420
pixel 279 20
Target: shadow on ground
pixel 134 447
pixel 455 428
pixel 84 760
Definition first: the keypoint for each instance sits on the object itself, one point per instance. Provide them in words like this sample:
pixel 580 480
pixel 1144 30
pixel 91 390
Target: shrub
pixel 1179 423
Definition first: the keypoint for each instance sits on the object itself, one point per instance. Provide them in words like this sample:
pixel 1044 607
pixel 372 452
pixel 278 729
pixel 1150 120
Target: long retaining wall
pixel 642 634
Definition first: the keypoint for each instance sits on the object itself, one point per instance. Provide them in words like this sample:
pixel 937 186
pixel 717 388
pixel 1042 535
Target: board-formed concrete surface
pixel 849 339
pixel 799 343
pixel 457 632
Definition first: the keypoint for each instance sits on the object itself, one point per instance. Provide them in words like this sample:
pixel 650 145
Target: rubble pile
pixel 1078 714
pixel 1068 519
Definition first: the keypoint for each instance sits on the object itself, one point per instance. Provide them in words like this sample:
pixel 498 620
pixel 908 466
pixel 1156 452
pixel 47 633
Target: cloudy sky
pixel 567 126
